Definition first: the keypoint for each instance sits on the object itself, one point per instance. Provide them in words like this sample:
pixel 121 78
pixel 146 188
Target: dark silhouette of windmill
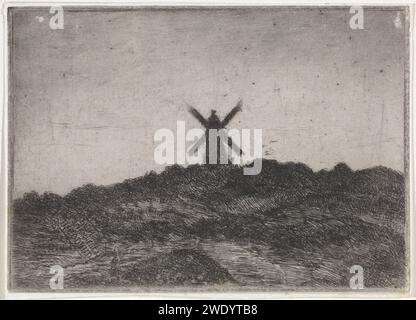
pixel 214 123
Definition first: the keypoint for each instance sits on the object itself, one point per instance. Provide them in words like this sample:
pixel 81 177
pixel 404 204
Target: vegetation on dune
pixel 333 218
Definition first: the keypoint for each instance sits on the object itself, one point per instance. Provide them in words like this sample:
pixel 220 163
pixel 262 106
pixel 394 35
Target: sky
pixel 87 100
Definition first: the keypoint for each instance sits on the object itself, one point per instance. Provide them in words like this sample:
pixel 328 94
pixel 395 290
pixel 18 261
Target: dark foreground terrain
pixel 211 227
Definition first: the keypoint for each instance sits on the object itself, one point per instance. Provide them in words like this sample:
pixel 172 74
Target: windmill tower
pixel 214 123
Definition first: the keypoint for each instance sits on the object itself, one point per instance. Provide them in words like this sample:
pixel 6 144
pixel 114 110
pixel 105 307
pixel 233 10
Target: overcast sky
pixel 88 99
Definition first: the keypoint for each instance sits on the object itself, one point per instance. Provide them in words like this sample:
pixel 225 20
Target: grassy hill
pixel 206 226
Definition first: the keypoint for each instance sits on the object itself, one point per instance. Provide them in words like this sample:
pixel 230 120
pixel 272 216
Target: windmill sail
pixel 198 116
pixel 232 113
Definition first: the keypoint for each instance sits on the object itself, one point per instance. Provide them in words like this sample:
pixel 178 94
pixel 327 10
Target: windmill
pixel 214 123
